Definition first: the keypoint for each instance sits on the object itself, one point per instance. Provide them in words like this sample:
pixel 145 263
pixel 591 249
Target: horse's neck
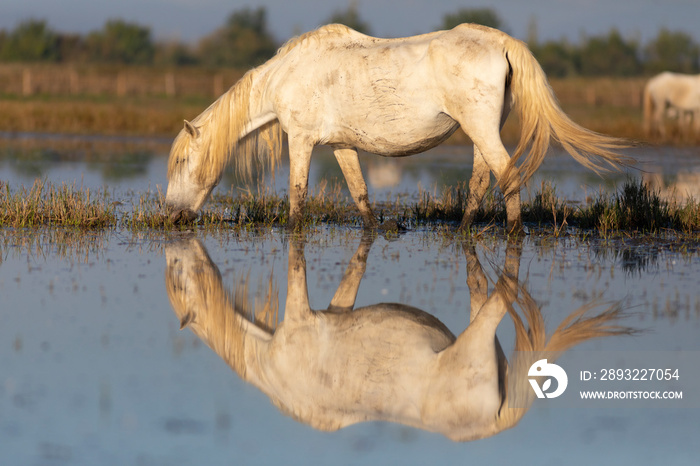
pixel 242 109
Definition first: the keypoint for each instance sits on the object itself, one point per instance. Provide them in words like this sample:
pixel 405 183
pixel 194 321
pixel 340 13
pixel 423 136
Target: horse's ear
pixel 186 320
pixel 192 129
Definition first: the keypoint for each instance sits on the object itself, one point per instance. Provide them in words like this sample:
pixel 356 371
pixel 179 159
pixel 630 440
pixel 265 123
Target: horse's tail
pixel 541 119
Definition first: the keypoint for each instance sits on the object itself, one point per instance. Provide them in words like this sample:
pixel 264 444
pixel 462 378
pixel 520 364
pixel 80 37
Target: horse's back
pixel 667 81
pixel 341 368
pixel 328 42
pixel 393 337
pixel 384 96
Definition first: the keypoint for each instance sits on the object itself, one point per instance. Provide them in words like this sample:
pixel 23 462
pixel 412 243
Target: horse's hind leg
pixel 485 132
pixel 478 185
pixel 350 165
pixel 476 281
pixel 497 159
pixel 483 126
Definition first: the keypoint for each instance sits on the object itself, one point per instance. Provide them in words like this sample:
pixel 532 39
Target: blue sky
pixel 189 20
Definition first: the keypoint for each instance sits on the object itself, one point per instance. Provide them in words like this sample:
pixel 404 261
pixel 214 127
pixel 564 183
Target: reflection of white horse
pixel 671 94
pixel 387 361
pixel 685 188
pixel 392 97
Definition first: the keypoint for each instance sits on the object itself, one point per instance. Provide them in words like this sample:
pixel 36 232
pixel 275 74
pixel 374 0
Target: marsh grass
pixel 633 210
pixel 46 204
pixel 247 208
pixel 449 207
pixel 546 208
pixel 635 207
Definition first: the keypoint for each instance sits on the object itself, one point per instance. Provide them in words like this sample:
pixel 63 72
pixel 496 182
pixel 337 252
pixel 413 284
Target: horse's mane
pixel 222 319
pixel 224 121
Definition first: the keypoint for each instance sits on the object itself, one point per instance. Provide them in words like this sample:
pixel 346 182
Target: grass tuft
pixel 45 204
pixel 634 209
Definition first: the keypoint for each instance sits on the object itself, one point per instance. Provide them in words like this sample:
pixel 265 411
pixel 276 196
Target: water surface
pixel 127 167
pixel 96 369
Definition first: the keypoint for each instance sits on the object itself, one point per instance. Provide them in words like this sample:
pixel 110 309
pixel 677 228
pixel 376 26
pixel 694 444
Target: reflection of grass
pixel 73 244
pixel 127 116
pixel 126 166
pixel 116 161
pixel 632 211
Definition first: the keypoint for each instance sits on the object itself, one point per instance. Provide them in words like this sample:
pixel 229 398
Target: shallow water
pixel 143 168
pixel 95 368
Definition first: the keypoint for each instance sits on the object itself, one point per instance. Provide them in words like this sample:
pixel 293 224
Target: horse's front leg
pixel 345 295
pixel 299 164
pixel 350 165
pixel 297 308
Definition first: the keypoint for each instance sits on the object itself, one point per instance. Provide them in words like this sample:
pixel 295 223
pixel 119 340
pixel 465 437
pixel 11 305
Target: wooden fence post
pixel 218 84
pixel 170 84
pixel 121 84
pixel 74 81
pixel 591 98
pixel 27 87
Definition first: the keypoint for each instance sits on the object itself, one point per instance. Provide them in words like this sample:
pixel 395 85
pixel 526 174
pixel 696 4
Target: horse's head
pixel 190 278
pixel 188 188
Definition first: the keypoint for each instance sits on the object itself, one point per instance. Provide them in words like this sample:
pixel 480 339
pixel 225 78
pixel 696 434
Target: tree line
pixel 244 40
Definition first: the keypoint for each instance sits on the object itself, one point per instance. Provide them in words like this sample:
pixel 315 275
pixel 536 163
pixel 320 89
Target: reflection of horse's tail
pixel 541 119
pixel 531 343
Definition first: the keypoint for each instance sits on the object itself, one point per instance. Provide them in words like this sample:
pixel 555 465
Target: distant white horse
pixel 387 361
pixel 672 94
pixel 392 97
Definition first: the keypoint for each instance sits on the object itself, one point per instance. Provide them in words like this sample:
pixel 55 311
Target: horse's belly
pixel 397 137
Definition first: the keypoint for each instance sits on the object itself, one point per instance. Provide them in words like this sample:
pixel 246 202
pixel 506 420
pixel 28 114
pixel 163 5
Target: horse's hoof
pixel 518 231
pixel 183 216
pixel 392 226
pixel 463 230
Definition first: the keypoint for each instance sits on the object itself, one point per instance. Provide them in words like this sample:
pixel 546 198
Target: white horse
pixel 387 361
pixel 671 94
pixel 392 97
